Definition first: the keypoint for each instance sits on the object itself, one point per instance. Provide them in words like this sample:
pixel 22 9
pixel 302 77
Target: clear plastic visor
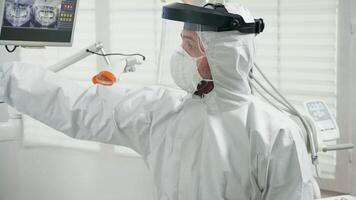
pixel 182 59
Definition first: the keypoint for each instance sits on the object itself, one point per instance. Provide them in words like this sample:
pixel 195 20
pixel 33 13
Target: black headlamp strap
pixel 256 27
pixel 236 23
pixel 217 6
pixel 211 17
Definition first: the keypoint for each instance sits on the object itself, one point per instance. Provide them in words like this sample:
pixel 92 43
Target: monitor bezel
pixel 37 43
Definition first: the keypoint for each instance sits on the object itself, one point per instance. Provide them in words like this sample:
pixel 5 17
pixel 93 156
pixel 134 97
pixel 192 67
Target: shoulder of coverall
pixel 148 104
pixel 150 99
pixel 265 123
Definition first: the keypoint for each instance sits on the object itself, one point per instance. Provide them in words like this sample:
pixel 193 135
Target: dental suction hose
pixel 286 106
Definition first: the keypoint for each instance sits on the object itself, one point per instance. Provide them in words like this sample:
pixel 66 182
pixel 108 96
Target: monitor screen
pixel 38 22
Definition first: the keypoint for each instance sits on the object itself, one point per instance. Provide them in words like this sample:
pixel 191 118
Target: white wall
pixel 353 91
pixel 346 175
pixel 63 174
pixel 8 57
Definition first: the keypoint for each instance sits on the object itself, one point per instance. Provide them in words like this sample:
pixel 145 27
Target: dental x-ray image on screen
pixel 18 14
pixel 32 13
pixel 38 21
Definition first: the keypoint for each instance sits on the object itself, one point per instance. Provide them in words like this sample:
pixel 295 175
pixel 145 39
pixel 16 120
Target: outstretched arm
pixel 98 113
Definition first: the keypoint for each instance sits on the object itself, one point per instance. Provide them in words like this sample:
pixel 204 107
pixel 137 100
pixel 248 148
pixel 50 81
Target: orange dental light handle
pixel 104 78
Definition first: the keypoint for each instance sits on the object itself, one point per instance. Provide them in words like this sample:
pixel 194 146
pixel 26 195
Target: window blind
pixel 135 27
pixel 298 48
pixel 298 51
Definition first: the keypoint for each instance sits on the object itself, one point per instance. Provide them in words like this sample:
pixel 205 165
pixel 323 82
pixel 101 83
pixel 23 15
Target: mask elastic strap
pixel 200 57
pixel 208 80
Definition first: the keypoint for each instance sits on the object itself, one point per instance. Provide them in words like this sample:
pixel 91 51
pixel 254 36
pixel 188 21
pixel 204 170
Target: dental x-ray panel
pixel 37 22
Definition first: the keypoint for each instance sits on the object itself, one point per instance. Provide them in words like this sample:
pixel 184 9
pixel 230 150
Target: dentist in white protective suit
pixel 216 142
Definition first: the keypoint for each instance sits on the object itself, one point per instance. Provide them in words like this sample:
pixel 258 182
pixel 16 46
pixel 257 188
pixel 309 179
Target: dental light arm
pixel 104 77
pixel 131 60
pixel 97 47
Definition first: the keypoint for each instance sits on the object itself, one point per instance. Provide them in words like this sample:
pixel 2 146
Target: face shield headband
pixel 217 19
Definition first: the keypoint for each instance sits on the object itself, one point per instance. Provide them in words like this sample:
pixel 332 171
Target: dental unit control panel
pixel 324 126
pixel 323 119
pixel 37 22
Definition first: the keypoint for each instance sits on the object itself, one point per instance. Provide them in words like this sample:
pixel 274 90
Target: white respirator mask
pixel 184 71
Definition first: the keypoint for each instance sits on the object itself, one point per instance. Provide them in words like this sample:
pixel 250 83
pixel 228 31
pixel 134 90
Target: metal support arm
pixel 97 47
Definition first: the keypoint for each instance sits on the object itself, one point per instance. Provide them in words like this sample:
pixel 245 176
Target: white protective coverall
pixel 226 146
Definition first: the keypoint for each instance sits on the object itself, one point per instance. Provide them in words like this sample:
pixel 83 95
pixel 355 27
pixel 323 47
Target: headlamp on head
pixel 186 31
pixel 211 17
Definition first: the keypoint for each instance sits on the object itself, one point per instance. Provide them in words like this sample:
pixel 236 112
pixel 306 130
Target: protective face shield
pixel 184 70
pixel 183 62
pixel 46 12
pixel 18 12
pixel 183 57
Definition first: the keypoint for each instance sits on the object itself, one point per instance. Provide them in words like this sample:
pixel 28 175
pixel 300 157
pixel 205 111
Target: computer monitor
pixel 37 22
